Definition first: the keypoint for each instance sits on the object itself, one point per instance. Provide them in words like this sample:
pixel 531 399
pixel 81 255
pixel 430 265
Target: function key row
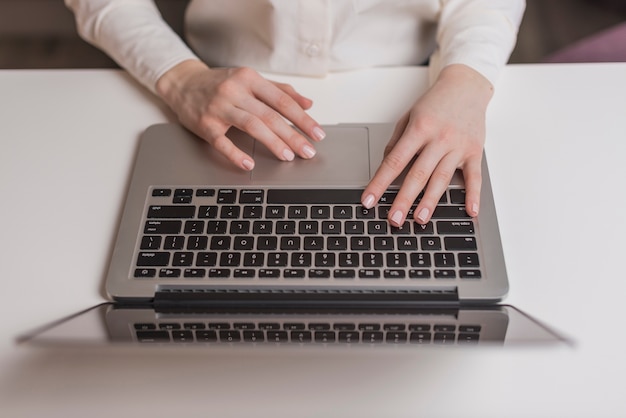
pixel 313 326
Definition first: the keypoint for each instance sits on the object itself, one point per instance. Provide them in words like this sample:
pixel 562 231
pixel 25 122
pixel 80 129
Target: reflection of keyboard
pixel 306 332
pixel 297 235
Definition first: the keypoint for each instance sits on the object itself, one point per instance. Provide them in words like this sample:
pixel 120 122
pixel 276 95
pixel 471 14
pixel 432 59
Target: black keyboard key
pixel 450 212
pixel 457 196
pixel 349 337
pixel 218 273
pixel 150 242
pixel 197 242
pixel 206 259
pixel 394 274
pixel 144 326
pixel 252 212
pixel 182 259
pixel 445 274
pixel 230 212
pixel 153 259
pixel 426 229
pixel 294 273
pixel 360 243
pixel 194 273
pixel 324 259
pixel 369 274
pixel 253 336
pixel 468 260
pixel 162 227
pixel 342 212
pixel 313 243
pixel 470 274
pixel 244 273
pixel 394 337
pixel 269 273
pixel 251 196
pixel 297 212
pixel 319 273
pixel 344 274
pixel 420 260
pixel 314 196
pixel 209 212
pixel 325 336
pixel 455 227
pixel 230 336
pixel 226 196
pixel 419 274
pixel 377 227
pixel 205 192
pixel 470 328
pixel 230 259
pixel 430 243
pixel 194 227
pixel 262 227
pixel 396 260
pixel 182 336
pixel 171 212
pixel 320 212
pixel 145 273
pixel 277 336
pixel 373 337
pixel 169 273
pixel 275 212
pixel 444 260
pixel 153 336
pixel 420 337
pixel 460 243
pixel 206 336
pixel 216 227
pixel 301 259
pixel 301 336
pixel 407 243
pixel 161 192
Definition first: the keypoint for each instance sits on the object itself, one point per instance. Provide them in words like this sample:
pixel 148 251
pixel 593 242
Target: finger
pixel 397 133
pixel 255 127
pixel 392 165
pixel 286 139
pixel 472 173
pixel 225 146
pixel 416 179
pixel 289 108
pixel 437 185
pixel 303 102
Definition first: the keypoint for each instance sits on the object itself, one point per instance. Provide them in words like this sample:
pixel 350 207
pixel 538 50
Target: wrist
pixel 174 78
pixel 460 76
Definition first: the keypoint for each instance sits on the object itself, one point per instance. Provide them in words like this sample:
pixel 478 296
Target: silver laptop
pixel 196 231
pixel 286 256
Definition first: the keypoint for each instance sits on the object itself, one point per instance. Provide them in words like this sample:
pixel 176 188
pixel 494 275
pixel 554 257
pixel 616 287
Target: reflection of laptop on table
pixel 198 234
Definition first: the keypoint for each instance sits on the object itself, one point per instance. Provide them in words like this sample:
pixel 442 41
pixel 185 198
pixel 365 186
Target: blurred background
pixel 41 33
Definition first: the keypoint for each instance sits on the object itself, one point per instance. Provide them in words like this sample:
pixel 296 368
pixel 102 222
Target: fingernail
pixel 248 164
pixel 369 201
pixel 308 151
pixel 423 215
pixel 396 218
pixel 288 155
pixel 318 133
pixel 474 209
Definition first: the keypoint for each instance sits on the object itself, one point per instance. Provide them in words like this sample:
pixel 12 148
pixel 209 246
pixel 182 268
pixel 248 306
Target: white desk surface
pixel 556 147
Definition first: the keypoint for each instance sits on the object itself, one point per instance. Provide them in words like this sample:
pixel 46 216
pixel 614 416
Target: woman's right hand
pixel 210 101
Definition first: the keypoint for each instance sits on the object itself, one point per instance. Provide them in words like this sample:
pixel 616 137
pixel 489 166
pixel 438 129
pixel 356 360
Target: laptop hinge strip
pixel 172 299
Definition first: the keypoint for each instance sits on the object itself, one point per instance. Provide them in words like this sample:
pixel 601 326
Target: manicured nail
pixel 308 151
pixel 369 201
pixel 474 209
pixel 248 164
pixel 288 155
pixel 423 215
pixel 318 133
pixel 396 218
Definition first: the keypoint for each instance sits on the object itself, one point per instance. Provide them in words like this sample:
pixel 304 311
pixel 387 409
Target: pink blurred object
pixel 606 46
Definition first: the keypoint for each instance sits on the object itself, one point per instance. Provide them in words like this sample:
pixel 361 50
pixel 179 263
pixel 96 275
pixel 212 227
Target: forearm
pixel 480 34
pixel 133 33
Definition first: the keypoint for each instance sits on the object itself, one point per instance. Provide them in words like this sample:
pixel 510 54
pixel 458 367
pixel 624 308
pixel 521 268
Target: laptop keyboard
pixel 311 332
pixel 300 235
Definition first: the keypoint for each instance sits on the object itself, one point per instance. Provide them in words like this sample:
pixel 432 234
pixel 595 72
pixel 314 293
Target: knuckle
pixel 394 162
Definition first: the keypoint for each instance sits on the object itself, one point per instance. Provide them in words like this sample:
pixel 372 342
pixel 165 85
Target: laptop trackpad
pixel 342 158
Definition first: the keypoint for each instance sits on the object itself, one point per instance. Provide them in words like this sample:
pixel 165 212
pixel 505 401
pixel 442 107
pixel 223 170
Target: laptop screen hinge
pixel 193 299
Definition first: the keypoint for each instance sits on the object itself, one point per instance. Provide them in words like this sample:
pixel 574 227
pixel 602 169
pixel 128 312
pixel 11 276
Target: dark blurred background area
pixel 42 34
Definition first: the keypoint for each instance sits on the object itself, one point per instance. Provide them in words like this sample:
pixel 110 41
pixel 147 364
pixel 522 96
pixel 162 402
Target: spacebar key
pixel 314 196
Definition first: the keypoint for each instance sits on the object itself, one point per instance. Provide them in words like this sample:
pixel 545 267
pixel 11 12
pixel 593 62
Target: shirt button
pixel 313 50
